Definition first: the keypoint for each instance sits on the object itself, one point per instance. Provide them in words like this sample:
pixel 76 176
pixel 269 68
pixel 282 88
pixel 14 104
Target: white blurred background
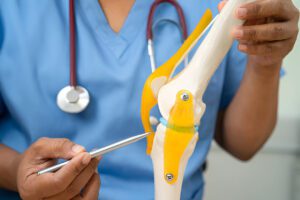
pixel 274 173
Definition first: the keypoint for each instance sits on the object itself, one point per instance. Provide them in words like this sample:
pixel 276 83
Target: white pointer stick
pixel 100 151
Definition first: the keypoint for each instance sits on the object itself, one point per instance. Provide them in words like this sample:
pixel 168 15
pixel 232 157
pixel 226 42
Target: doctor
pixel 112 64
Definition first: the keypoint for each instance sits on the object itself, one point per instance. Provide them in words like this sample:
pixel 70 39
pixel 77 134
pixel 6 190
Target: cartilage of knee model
pixel 180 100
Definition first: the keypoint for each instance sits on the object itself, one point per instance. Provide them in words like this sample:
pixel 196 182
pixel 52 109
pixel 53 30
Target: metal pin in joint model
pixel 100 151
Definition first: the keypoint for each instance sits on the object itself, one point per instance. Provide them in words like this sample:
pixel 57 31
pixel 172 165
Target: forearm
pixel 268 35
pixel 8 168
pixel 251 116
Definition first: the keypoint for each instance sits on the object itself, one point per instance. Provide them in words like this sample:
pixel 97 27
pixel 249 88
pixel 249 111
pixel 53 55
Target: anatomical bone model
pixel 180 100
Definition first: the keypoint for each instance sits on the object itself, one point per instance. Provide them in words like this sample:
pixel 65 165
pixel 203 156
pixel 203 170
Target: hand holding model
pixel 269 33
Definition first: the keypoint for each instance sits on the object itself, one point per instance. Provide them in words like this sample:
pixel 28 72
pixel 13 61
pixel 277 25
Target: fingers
pixel 80 181
pixel 281 9
pixel 91 191
pixel 54 183
pixel 271 49
pixel 265 32
pixel 70 171
pixel 47 148
pixel 269 32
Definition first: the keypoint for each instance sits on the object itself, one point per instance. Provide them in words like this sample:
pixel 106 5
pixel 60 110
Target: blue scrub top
pixel 34 66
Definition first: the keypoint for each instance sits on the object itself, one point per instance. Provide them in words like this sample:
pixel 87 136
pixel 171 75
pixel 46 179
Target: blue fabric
pixel 34 66
pixel 1 106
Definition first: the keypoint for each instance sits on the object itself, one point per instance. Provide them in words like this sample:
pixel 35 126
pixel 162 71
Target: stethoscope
pixel 74 98
pixel 150 25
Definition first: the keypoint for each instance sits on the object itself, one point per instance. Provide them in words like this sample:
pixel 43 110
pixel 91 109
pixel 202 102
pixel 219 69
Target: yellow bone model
pixel 179 132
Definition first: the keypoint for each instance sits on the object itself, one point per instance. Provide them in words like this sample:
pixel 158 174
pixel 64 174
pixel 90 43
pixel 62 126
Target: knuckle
pixel 42 140
pixel 40 143
pixel 251 33
pixel 256 9
pixel 63 142
pixel 278 31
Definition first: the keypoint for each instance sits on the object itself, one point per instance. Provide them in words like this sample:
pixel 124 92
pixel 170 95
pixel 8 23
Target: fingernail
pixel 238 33
pixel 96 170
pixel 86 159
pixel 242 47
pixel 241 12
pixel 77 148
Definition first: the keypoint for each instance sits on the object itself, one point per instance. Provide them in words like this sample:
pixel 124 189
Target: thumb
pixel 49 148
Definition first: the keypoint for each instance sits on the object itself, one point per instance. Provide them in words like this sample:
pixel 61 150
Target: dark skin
pixel 267 37
pixel 78 180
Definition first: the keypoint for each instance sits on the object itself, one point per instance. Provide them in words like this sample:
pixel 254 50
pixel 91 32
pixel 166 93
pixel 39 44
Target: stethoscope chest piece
pixel 73 99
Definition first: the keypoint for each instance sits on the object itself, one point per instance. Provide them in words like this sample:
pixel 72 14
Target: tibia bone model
pixel 180 100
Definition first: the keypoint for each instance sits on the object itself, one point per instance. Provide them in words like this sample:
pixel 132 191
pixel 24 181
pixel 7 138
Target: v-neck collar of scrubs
pixel 117 42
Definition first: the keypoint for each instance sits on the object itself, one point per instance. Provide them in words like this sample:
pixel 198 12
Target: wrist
pixel 9 160
pixel 263 71
pixel 14 171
